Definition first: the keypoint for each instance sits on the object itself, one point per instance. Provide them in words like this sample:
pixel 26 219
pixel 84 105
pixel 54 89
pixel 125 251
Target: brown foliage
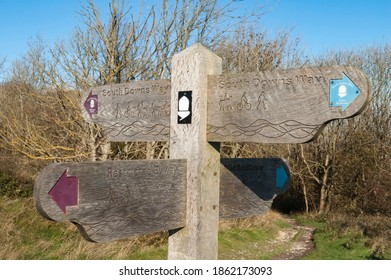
pixel 41 125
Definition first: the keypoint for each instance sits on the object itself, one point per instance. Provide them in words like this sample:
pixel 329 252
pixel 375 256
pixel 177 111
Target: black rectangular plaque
pixel 184 107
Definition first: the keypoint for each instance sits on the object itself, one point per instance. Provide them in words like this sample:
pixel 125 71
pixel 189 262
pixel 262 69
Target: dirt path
pixel 298 239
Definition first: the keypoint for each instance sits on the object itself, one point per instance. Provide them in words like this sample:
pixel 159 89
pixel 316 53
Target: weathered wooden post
pixel 190 70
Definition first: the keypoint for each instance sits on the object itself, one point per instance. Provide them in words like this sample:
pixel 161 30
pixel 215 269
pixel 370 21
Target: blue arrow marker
pixel 343 92
pixel 281 177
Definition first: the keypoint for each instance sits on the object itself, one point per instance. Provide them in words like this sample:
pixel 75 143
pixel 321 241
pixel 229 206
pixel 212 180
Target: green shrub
pixel 11 187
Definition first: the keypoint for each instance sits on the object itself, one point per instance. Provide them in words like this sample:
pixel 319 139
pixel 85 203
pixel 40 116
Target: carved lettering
pixel 304 79
pixel 257 90
pixel 113 92
pixel 244 167
pixel 119 197
pixel 259 82
pixel 157 170
pixel 122 91
pixel 161 89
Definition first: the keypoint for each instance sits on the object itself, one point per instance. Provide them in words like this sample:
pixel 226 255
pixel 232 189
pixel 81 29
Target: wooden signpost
pixel 197 110
pixel 113 200
pixel 248 186
pixel 131 112
pixel 286 106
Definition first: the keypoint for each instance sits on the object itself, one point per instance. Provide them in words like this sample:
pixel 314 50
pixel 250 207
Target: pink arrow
pixel 65 191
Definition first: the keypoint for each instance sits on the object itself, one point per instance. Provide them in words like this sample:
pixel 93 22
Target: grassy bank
pixel 27 235
pixel 24 234
pixel 346 237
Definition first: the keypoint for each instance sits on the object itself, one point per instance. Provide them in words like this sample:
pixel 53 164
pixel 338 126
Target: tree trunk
pixel 106 150
pixel 150 150
pixel 324 188
pixel 322 199
pixel 305 198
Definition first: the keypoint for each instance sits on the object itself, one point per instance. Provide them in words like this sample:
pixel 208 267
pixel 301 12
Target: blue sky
pixel 334 24
pixel 321 24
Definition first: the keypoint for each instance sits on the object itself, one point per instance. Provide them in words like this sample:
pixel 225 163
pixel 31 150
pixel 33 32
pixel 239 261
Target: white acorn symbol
pixel 184 105
pixel 342 91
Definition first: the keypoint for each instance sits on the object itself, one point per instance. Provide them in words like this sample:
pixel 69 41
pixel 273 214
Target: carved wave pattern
pixel 137 128
pixel 245 208
pixel 267 129
pixel 137 222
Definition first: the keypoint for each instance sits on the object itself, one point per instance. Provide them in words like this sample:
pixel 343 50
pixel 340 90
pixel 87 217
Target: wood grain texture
pixel 198 240
pixel 285 106
pixel 138 111
pixel 118 199
pixel 248 186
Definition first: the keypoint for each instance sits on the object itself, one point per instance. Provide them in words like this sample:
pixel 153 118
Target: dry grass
pixel 253 238
pixel 377 228
pixel 24 234
pixel 265 221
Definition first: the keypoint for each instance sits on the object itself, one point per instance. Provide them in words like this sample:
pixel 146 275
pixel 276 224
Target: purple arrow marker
pixel 91 104
pixel 65 191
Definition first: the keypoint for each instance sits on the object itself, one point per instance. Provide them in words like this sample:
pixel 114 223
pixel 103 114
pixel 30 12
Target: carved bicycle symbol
pixel 243 103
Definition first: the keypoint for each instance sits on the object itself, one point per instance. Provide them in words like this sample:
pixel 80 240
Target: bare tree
pixel 2 63
pixel 349 165
pixel 251 49
pixel 128 46
pixel 39 125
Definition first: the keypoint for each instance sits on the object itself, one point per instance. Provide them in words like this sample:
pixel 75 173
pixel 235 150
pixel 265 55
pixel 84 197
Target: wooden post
pixel 198 239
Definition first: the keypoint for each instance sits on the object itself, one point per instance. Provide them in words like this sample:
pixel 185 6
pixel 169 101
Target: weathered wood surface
pixel 248 186
pixel 198 239
pixel 285 106
pixel 138 111
pixel 117 199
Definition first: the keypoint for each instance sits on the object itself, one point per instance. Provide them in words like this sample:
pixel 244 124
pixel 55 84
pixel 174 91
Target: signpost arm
pixel 190 69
